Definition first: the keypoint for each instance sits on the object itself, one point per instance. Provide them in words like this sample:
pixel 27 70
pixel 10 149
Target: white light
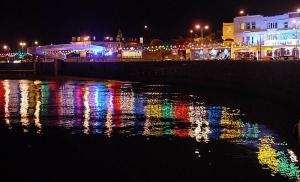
pixel 298 10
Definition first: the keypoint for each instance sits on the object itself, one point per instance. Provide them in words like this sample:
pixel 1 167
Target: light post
pixel 191 32
pixel 6 49
pixel 202 28
pixel 22 44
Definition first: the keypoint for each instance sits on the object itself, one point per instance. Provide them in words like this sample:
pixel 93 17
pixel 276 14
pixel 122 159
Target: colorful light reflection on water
pixel 117 108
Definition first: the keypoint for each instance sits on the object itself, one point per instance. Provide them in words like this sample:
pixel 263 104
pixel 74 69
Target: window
pixel 286 24
pixel 253 25
pixel 272 25
pixel 247 40
pixel 243 26
pixel 248 26
pixel 269 25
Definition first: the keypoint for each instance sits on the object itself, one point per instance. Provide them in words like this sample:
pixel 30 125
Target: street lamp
pixel 6 49
pixel 202 28
pixel 242 12
pixel 36 43
pixel 145 34
pixel 22 44
pixel 191 32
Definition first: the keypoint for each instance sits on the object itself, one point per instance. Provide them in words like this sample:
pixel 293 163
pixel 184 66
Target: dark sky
pixel 57 21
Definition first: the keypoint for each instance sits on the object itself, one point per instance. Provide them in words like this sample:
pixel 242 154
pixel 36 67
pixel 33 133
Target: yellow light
pixel 191 31
pixel 36 42
pixel 206 27
pixel 5 47
pixel 242 12
pixel 86 38
pixel 197 26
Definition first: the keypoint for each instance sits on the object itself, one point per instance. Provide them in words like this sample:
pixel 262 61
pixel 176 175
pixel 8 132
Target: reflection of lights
pixel 232 125
pixel 153 124
pixel 153 107
pixel 287 168
pixel 24 87
pixel 6 107
pixel 293 156
pixel 277 161
pixel 198 118
pixel 110 106
pixel 87 110
pixel 267 155
pixel 167 109
pixel 38 105
pixel 127 107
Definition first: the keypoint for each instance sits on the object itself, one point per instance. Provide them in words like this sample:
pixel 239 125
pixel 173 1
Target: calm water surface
pixel 211 138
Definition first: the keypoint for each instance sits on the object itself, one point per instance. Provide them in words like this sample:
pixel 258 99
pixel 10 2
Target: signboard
pixel 135 54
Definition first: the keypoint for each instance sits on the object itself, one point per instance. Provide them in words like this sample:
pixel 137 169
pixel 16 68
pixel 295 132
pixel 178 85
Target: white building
pixel 279 33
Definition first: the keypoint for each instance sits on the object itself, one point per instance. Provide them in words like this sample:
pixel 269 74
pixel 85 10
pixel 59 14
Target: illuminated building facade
pixel 273 36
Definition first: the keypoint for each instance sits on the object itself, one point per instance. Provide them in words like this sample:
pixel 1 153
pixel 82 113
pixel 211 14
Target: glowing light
pixel 198 118
pixel 6 107
pixel 36 43
pixel 38 104
pixel 24 105
pixel 87 110
pixel 293 156
pixel 86 38
pixel 109 53
pixel 242 12
pixel 5 47
pixel 198 26
pixel 191 31
pixel 22 44
pixel 231 124
pixel 206 27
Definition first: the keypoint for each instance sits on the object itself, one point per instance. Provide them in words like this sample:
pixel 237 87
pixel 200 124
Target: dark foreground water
pixel 104 131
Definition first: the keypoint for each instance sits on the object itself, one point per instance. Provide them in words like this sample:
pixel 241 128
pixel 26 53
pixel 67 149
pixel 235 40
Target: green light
pixel 286 167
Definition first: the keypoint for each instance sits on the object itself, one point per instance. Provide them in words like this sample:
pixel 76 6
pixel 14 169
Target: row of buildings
pixel 264 36
pixel 254 37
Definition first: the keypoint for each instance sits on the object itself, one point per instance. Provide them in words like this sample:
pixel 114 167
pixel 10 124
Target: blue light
pixel 109 53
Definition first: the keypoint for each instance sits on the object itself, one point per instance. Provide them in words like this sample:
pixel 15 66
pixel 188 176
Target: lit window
pixel 243 26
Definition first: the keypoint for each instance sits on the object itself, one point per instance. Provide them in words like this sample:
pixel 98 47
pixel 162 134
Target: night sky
pixel 57 21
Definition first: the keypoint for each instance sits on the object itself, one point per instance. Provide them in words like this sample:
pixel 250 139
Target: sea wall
pixel 270 80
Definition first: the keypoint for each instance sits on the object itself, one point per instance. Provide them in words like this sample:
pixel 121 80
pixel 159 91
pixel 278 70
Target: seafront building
pixel 260 36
